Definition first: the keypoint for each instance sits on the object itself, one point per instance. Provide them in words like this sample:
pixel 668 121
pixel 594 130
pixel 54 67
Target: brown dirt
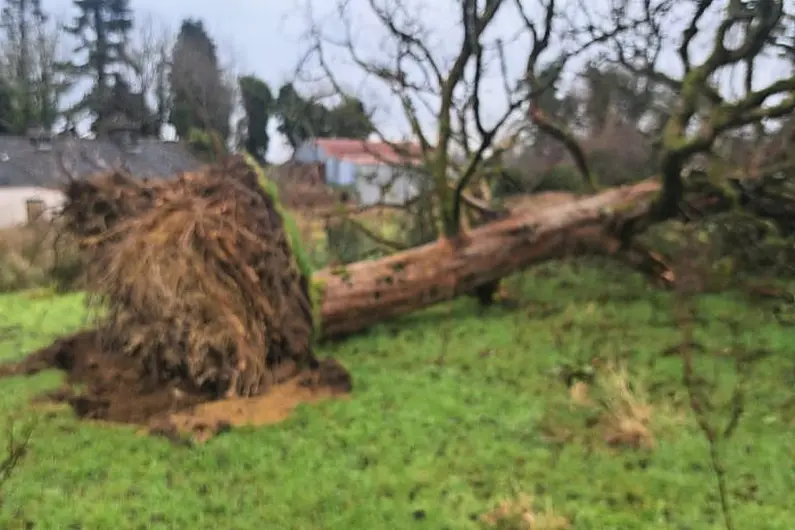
pixel 113 388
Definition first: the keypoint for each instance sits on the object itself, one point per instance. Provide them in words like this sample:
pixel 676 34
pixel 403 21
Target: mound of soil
pixel 110 387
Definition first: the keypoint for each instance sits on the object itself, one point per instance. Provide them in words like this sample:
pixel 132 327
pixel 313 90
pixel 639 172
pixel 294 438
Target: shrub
pixel 510 181
pixel 347 244
pixel 37 255
pixel 614 170
pixel 562 177
pixel 733 244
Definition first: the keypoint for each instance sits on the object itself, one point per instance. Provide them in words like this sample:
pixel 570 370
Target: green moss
pixel 340 270
pixel 317 290
pixel 290 226
pixel 205 144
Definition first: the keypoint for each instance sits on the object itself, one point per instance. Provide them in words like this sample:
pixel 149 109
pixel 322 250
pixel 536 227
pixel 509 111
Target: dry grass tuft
pixel 624 416
pixel 580 394
pixel 36 255
pixel 627 413
pixel 522 514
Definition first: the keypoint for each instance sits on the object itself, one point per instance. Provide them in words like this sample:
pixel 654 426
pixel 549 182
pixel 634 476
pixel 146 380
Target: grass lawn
pixel 454 410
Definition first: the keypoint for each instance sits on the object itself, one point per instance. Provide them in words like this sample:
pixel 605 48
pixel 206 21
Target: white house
pixel 375 171
pixel 33 168
pixel 26 204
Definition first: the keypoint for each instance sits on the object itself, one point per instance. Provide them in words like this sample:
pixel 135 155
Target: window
pixel 35 209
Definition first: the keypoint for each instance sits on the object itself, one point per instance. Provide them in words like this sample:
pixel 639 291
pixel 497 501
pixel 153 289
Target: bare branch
pixel 703 110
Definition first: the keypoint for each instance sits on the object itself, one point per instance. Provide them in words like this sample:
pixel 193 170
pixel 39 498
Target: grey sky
pixel 262 37
pixel 252 33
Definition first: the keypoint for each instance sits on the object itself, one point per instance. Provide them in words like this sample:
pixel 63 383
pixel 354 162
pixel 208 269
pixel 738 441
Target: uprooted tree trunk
pixel 362 294
pixel 365 293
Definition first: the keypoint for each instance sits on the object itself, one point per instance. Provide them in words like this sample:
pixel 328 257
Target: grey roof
pixel 23 164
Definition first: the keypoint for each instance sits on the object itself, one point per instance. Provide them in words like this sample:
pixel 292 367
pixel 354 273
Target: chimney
pixel 122 132
pixel 126 139
pixel 40 138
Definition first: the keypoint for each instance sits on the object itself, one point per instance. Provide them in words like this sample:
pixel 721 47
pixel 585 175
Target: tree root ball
pixel 195 287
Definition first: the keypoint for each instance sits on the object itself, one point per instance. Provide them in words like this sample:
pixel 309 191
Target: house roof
pixel 367 152
pixel 23 164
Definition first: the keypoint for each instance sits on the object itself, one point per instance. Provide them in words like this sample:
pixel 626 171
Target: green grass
pixel 437 432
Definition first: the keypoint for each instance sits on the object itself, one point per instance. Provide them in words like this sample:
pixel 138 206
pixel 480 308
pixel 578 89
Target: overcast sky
pixel 253 33
pixel 263 37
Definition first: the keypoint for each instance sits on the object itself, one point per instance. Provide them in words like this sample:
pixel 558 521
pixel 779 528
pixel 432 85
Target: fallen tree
pixel 362 294
pixel 697 120
pixel 357 296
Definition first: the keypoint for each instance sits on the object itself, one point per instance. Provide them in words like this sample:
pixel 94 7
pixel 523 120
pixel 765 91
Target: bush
pixel 345 243
pixel 611 169
pixel 37 256
pixel 562 177
pixel 732 245
pixel 205 144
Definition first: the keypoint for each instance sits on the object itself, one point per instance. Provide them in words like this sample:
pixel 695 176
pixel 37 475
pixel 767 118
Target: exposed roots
pixel 195 277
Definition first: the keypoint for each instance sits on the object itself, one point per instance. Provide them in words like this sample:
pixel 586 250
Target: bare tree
pixel 229 64
pixel 447 99
pixel 150 56
pixel 30 50
pixel 443 97
pixel 745 36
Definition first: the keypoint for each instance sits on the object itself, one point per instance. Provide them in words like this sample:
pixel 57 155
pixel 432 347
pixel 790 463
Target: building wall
pixel 13 204
pixel 340 172
pixel 346 173
pixel 343 172
pixel 370 180
pixel 309 152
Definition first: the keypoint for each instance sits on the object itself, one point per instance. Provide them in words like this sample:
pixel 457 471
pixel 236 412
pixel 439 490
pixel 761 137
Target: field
pixel 454 410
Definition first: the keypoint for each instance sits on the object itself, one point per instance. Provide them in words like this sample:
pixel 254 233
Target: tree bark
pixel 359 295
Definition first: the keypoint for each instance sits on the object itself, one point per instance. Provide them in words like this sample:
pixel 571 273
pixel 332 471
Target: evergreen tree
pixel 200 98
pixel 102 27
pixel 257 104
pixel 300 119
pixel 349 119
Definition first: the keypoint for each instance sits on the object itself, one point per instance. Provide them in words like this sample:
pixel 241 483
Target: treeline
pixel 107 63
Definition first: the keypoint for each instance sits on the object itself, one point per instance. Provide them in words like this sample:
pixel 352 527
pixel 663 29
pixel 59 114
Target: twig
pixel 685 314
pixel 16 449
